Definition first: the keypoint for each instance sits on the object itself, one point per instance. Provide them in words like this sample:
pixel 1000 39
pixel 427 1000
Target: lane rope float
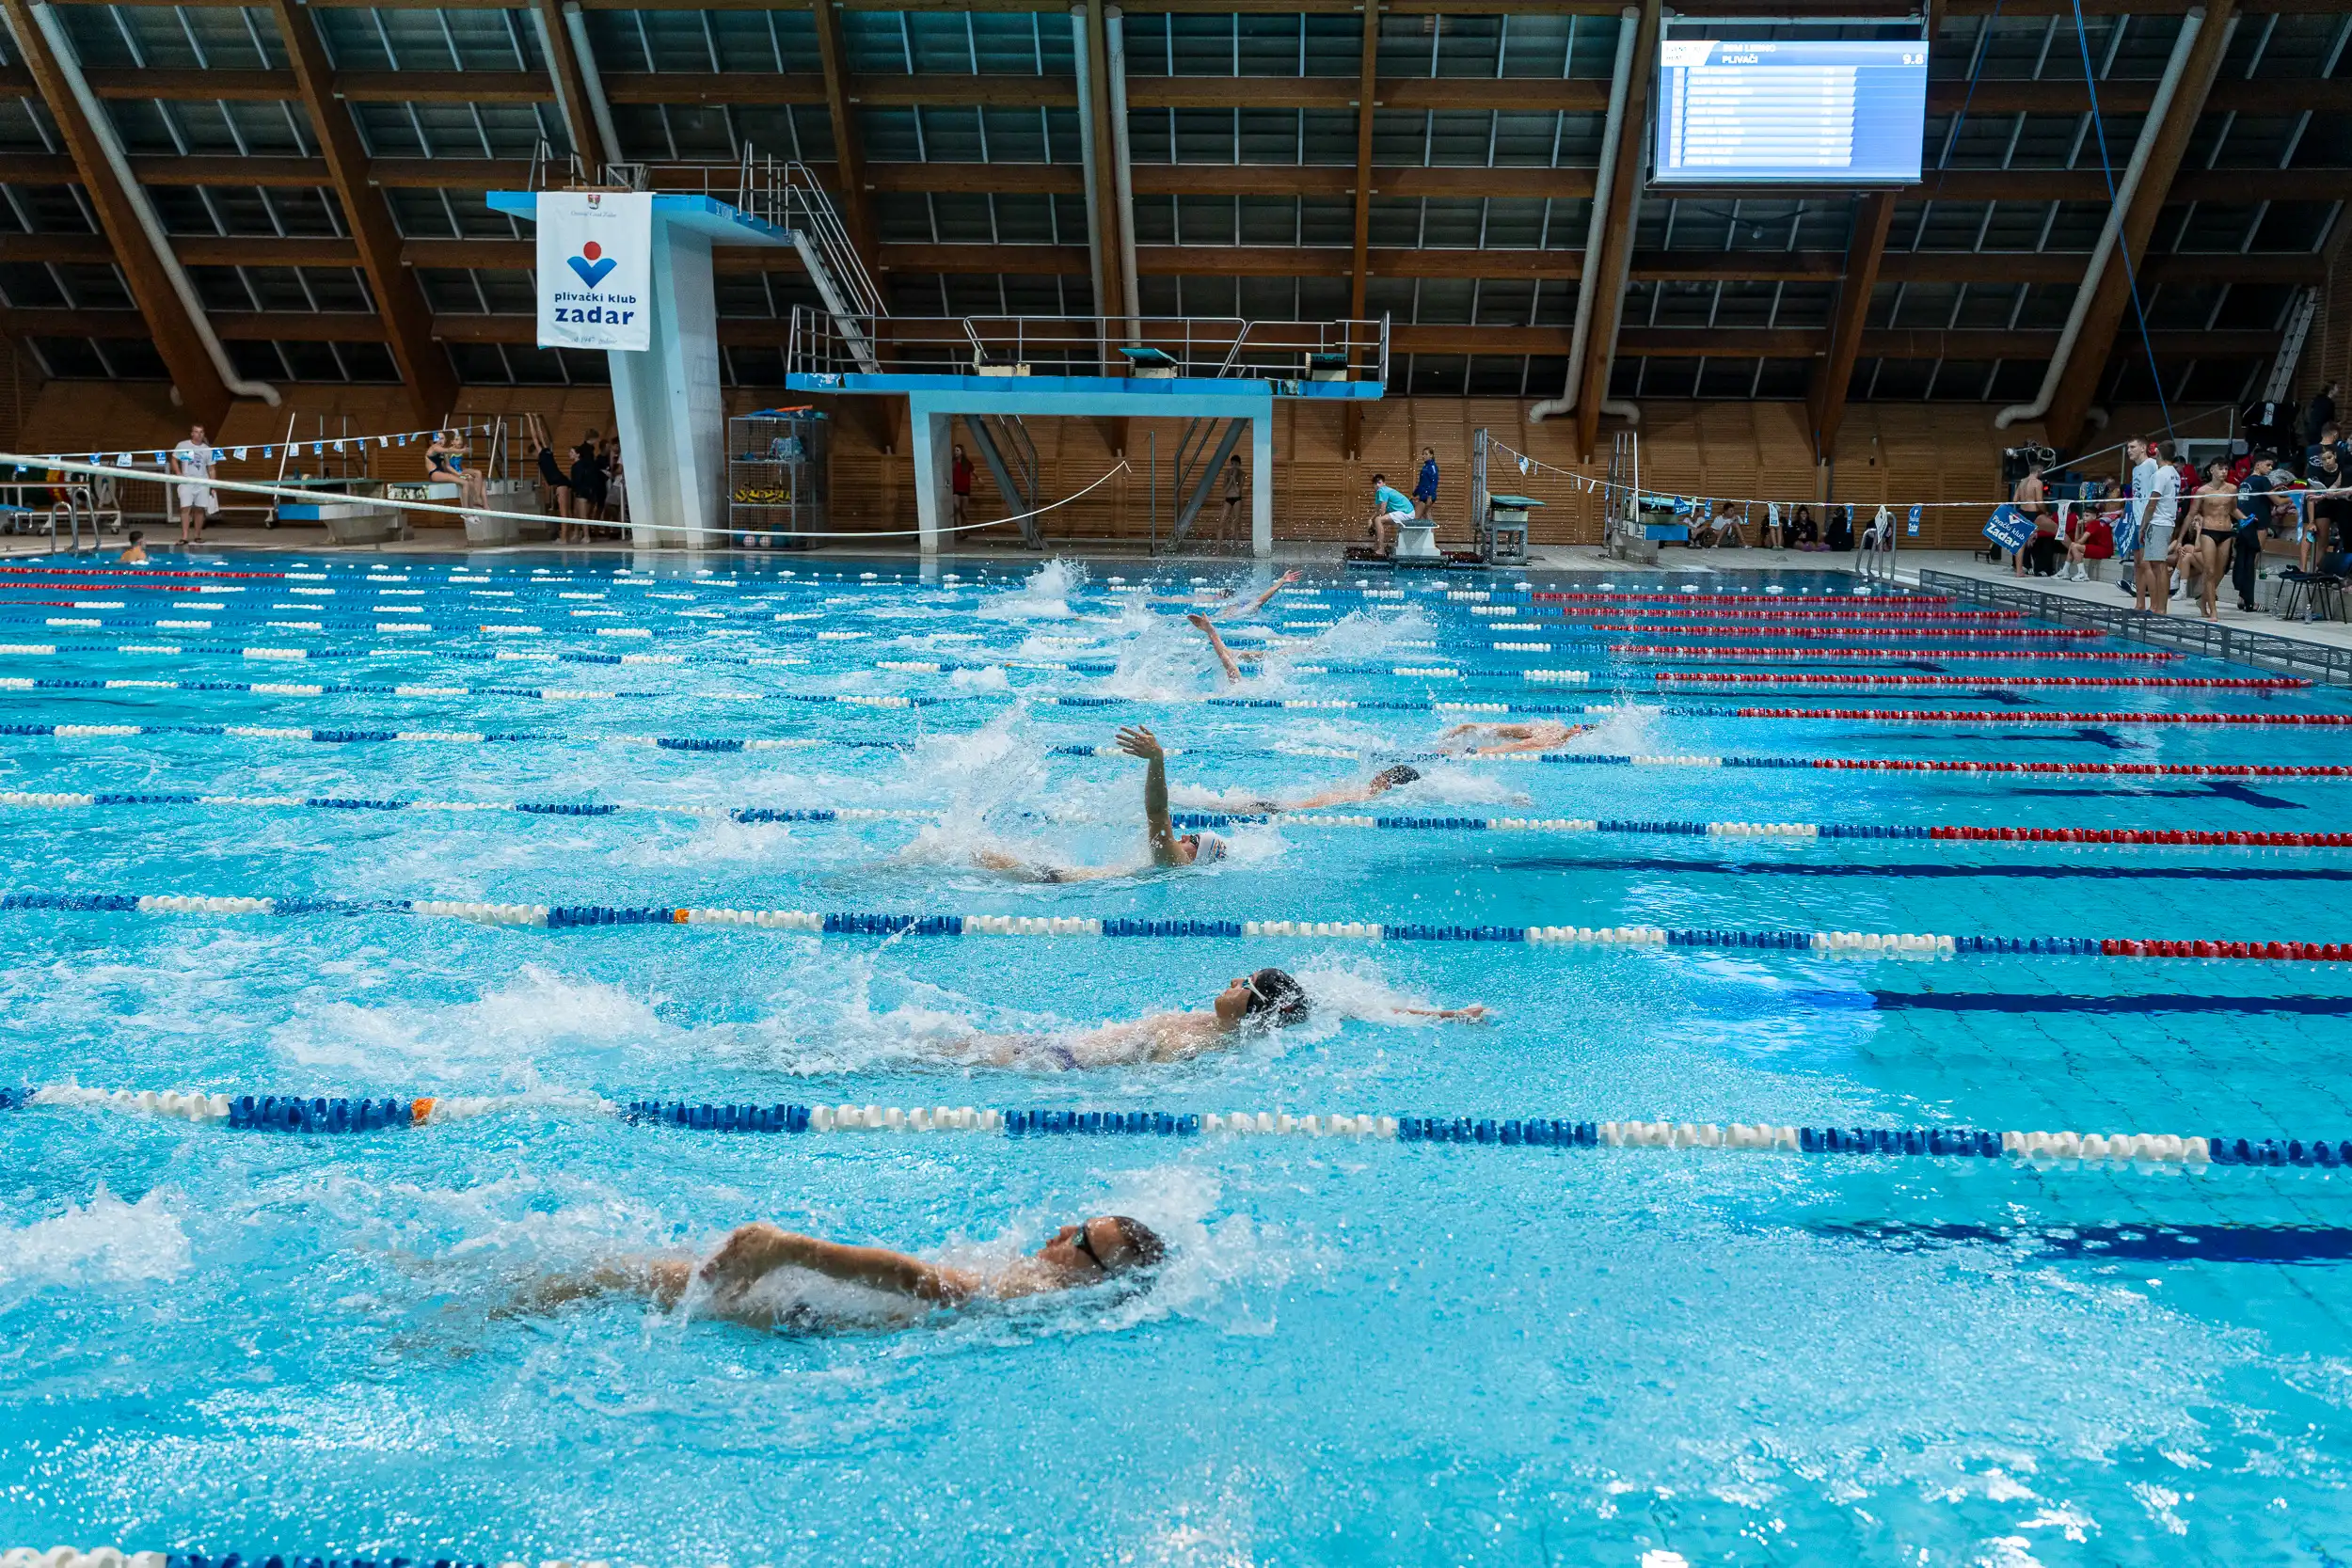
pixel 1874 944
pixel 326 1115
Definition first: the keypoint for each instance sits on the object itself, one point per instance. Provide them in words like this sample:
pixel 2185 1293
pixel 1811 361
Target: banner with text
pixel 595 269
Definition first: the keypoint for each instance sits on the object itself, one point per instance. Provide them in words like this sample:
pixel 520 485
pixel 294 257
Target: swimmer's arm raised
pixel 1139 741
pixel 754 1251
pixel 1262 600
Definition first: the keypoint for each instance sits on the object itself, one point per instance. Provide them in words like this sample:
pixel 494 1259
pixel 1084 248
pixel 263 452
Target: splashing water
pixel 106 1241
pixel 1046 596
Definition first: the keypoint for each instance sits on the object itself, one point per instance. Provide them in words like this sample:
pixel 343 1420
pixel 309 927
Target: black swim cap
pixel 1388 777
pixel 1273 990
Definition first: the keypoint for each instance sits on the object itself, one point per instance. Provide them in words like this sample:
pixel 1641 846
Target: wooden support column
pixel 1873 210
pixel 571 84
pixel 424 367
pixel 203 393
pixel 1616 241
pixel 1359 265
pixel 875 418
pixel 1110 218
pixel 857 212
pixel 2110 299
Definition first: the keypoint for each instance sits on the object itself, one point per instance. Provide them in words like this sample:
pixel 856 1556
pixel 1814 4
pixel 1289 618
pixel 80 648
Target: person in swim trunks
pixel 1170 849
pixel 1095 1250
pixel 2213 516
pixel 1250 1005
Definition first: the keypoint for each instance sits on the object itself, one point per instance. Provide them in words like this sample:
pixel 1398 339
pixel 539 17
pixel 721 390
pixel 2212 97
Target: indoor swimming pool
pixel 660 883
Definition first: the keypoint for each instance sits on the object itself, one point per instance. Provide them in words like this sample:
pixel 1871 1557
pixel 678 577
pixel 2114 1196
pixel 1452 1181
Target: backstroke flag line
pixel 596 251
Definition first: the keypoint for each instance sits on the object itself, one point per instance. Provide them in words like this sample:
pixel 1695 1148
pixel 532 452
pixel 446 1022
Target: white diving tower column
pixel 667 397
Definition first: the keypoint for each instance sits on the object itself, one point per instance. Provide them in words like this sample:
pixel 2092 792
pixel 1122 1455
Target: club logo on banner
pixel 596 251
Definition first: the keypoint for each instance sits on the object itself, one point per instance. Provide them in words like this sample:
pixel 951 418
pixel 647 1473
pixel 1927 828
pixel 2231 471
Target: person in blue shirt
pixel 1425 484
pixel 1388 510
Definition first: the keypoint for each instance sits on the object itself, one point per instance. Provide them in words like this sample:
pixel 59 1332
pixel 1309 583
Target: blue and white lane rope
pixel 1868 944
pixel 1563 759
pixel 319 1114
pixel 2105 838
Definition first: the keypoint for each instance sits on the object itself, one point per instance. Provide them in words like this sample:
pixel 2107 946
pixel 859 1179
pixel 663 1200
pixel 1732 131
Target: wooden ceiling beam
pixel 569 81
pixel 1359 251
pixel 168 317
pixel 1612 264
pixel 424 367
pixel 2110 290
pixel 1833 373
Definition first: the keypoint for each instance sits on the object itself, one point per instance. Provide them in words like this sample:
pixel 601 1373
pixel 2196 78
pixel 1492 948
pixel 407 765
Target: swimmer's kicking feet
pixel 1269 999
pixel 1170 848
pixel 1081 1255
pixel 1494 740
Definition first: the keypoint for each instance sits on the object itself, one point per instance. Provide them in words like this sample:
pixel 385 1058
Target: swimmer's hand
pixel 1198 620
pixel 1477 1012
pixel 1139 741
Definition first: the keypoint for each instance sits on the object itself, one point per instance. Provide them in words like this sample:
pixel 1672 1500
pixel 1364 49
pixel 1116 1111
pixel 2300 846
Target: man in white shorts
pixel 1390 511
pixel 2157 491
pixel 192 463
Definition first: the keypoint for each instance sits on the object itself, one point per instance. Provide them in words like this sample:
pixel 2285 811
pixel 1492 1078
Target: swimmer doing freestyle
pixel 1250 1004
pixel 738 1283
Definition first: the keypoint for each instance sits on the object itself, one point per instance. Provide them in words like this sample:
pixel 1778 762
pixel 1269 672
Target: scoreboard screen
pixel 1814 112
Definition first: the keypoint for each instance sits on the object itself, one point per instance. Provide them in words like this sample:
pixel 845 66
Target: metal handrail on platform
pixel 2186 634
pixel 1205 347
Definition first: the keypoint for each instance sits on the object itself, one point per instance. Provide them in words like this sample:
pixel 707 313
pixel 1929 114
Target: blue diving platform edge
pixel 1084 385
pixel 699 214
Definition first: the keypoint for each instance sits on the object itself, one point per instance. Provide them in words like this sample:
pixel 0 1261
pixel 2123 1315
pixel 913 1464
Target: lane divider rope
pixel 2122 837
pixel 814 923
pixel 319 1114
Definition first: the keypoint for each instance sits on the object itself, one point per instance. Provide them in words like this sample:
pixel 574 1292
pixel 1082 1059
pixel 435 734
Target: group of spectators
pixel 585 492
pixel 2190 529
pixel 1793 529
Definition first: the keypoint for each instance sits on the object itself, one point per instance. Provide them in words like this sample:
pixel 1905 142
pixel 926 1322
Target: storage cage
pixel 776 479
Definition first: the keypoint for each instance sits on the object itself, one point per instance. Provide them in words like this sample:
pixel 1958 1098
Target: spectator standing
pixel 192 461
pixel 2256 508
pixel 2321 414
pixel 1425 484
pixel 2328 436
pixel 2028 501
pixel 1229 526
pixel 959 486
pixel 2330 507
pixel 2157 491
pixel 587 482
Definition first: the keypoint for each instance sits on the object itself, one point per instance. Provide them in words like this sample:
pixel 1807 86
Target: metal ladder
pixel 2299 317
pixel 800 205
pixel 1011 458
pixel 1189 454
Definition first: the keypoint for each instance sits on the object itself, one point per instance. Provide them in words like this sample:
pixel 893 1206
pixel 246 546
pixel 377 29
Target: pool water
pixel 1362 1350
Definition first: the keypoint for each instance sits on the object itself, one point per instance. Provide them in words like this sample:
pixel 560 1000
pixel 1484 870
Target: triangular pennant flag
pixel 383 440
pixel 339 445
pixel 122 461
pixel 269 451
pixel 239 454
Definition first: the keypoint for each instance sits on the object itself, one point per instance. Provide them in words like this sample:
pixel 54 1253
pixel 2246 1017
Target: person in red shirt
pixel 959 480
